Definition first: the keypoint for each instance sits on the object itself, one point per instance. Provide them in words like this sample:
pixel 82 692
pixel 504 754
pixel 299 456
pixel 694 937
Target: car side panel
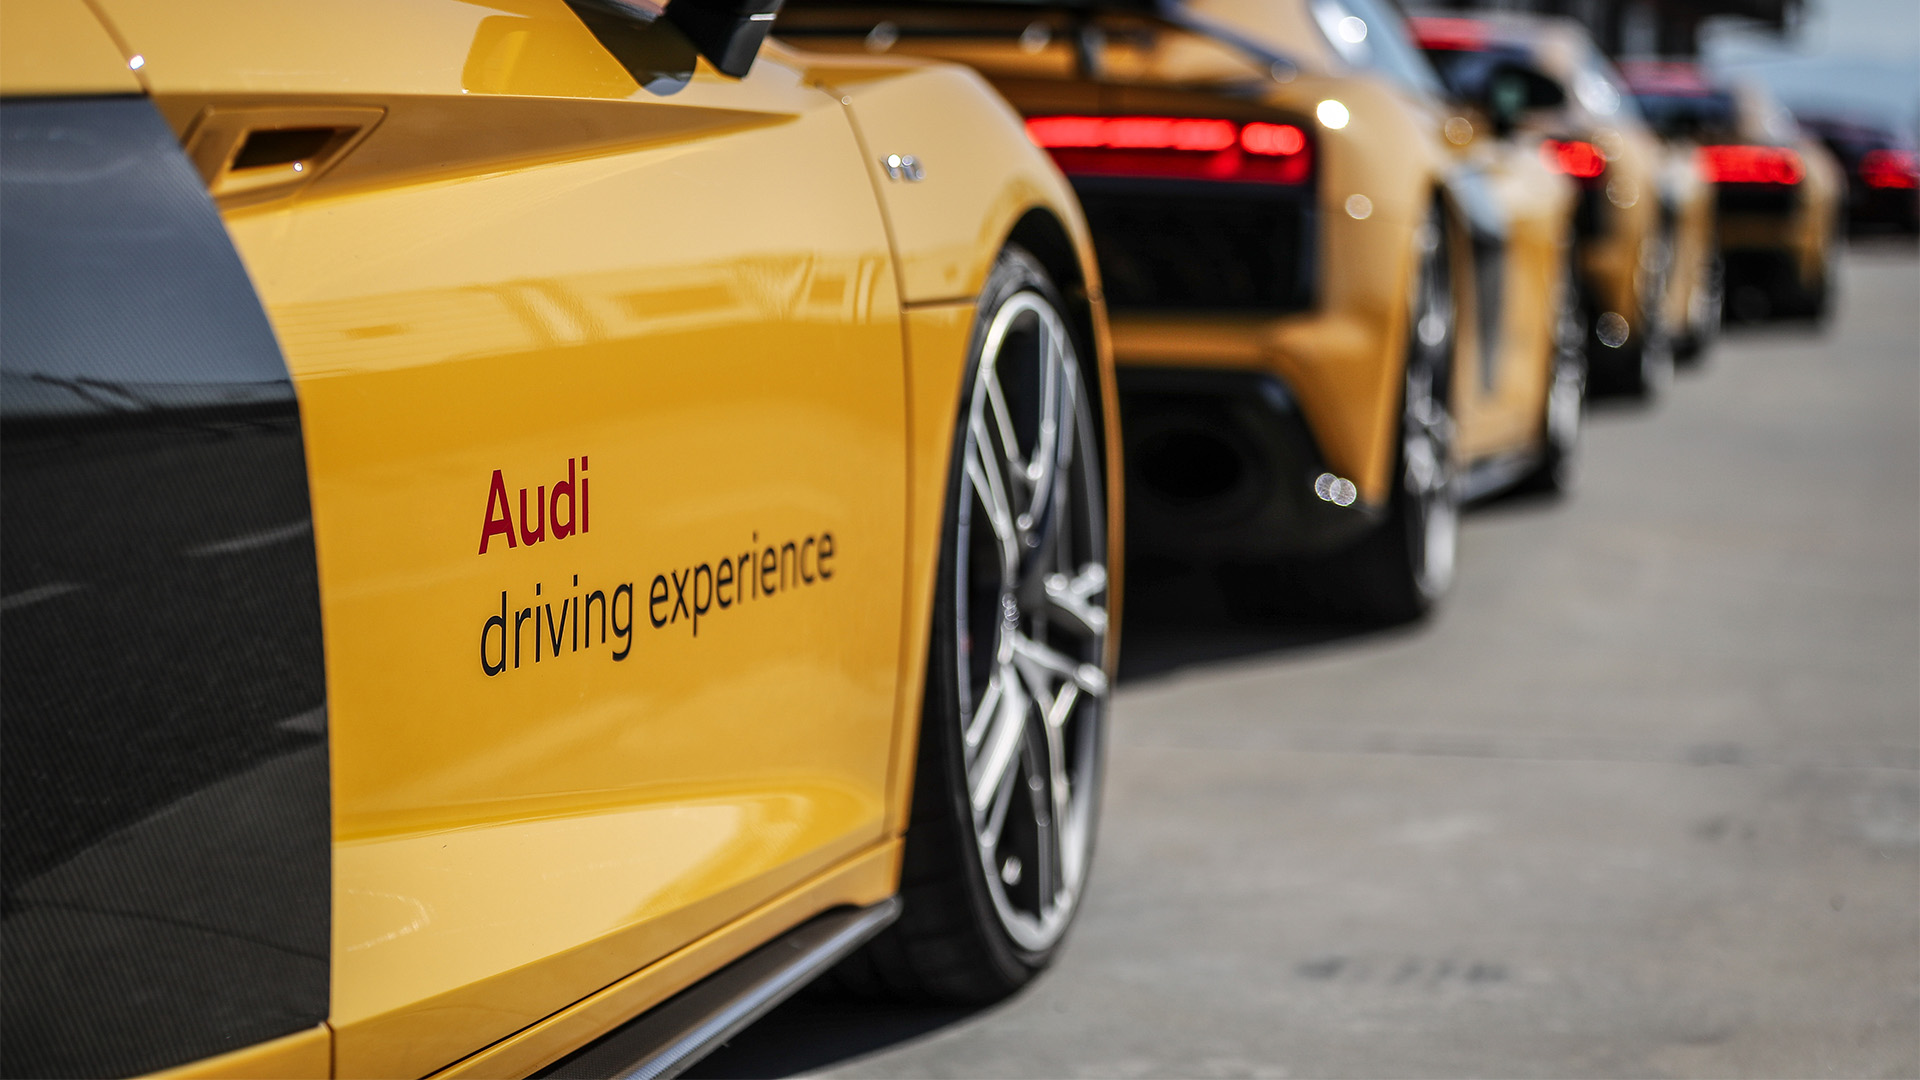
pixel 1500 397
pixel 56 47
pixel 533 274
pixel 742 395
pixel 866 878
pixel 948 226
pixel 1691 199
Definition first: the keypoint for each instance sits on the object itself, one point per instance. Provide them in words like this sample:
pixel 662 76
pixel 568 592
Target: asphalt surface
pixel 1642 800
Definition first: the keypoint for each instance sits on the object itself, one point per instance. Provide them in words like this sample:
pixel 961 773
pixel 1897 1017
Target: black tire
pixel 1642 368
pixel 1817 303
pixel 1813 300
pixel 1704 314
pixel 989 893
pixel 1644 364
pixel 1564 405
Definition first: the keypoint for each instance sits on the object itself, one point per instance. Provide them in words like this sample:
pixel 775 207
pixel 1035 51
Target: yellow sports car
pixel 1338 307
pixel 1779 191
pixel 1648 270
pixel 528 529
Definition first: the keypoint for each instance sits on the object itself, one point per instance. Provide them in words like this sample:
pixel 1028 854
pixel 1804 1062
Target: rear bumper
pixel 1184 246
pixel 1222 465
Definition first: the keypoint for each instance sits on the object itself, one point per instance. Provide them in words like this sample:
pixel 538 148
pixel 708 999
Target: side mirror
pixel 728 33
pixel 1511 90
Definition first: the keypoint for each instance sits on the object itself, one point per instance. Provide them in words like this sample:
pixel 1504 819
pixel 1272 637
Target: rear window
pixel 1710 116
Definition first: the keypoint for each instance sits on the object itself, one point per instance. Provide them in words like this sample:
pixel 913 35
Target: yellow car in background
pixel 529 528
pixel 1338 308
pixel 1648 270
pixel 1779 191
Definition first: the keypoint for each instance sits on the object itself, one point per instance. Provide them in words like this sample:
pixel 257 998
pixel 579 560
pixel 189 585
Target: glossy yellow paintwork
pixel 864 879
pixel 1343 359
pixel 50 47
pixel 733 388
pixel 1501 410
pixel 948 232
pixel 709 315
pixel 937 337
pixel 1687 299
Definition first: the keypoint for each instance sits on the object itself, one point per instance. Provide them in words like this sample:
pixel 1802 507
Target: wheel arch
pixel 939 346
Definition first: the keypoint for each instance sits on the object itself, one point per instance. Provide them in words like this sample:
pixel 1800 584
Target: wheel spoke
pixel 996 822
pixel 1036 662
pixel 991 484
pixel 995 763
pixel 1423 464
pixel 1074 596
pixel 1003 423
pixel 1041 794
pixel 1051 442
pixel 1058 784
pixel 983 714
pixel 1047 525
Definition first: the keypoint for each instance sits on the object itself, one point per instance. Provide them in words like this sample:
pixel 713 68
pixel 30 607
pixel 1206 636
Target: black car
pixel 1883 171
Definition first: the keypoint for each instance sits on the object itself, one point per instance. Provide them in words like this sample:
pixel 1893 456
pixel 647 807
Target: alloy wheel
pixel 1427 426
pixel 1567 392
pixel 1031 587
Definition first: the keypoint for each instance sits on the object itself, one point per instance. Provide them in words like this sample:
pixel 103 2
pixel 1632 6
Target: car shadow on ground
pixel 819 1029
pixel 1177 618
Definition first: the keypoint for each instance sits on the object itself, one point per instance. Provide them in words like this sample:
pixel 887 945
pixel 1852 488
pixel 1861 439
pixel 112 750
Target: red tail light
pixel 1436 32
pixel 1890 169
pixel 1751 165
pixel 1174 148
pixel 1581 160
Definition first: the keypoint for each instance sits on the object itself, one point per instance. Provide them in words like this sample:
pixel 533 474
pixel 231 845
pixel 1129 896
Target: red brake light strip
pixel 1890 169
pixel 1174 147
pixel 1582 160
pixel 1448 34
pixel 1751 165
pixel 1163 133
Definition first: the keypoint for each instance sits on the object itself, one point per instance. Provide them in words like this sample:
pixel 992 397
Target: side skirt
pixel 1497 473
pixel 665 1041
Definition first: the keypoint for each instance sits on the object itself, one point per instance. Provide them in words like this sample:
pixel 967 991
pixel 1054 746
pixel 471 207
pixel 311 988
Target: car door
pixel 600 364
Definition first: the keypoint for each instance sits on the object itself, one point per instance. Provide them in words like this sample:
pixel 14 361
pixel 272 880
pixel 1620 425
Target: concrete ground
pixel 1642 800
